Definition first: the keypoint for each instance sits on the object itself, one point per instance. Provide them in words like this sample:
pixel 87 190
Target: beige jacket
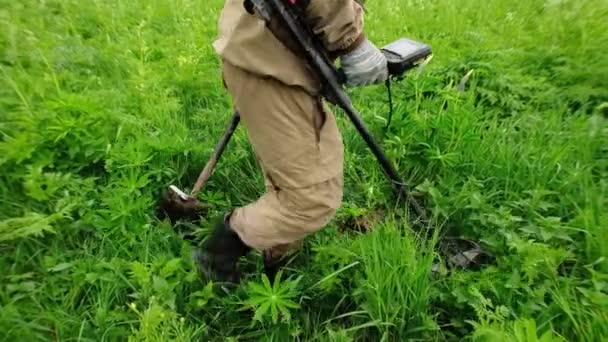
pixel 246 41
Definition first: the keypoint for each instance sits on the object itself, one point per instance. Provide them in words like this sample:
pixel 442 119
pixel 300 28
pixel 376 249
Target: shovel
pixel 178 205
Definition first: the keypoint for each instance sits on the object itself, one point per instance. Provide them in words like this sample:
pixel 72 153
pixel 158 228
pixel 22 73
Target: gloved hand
pixel 365 65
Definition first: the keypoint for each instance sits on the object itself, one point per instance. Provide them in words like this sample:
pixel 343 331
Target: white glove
pixel 365 65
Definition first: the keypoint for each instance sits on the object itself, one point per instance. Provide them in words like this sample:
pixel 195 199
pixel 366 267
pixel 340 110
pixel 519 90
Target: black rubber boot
pixel 218 257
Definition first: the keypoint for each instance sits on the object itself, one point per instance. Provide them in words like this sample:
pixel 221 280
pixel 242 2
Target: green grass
pixel 105 103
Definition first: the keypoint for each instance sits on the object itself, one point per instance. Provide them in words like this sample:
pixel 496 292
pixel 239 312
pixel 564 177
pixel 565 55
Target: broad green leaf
pixel 61 267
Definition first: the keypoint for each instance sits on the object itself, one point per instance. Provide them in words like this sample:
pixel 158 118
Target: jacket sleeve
pixel 339 23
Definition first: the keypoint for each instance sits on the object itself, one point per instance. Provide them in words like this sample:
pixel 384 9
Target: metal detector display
pixel 403 55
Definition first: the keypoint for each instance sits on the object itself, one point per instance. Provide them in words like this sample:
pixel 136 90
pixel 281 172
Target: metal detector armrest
pixel 404 54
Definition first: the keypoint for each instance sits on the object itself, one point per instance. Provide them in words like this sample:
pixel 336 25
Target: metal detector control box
pixel 403 54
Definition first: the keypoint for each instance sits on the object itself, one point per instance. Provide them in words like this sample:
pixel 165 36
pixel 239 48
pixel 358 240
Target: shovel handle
pixel 217 153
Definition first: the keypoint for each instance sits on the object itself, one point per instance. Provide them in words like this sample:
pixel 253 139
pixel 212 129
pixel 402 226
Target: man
pixel 295 137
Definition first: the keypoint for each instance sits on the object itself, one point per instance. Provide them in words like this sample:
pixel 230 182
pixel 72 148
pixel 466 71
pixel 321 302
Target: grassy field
pixel 105 103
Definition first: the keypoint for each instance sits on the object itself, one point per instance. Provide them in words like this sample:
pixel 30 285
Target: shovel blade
pixel 178 206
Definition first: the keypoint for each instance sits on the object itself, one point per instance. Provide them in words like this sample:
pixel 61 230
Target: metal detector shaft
pixel 383 160
pixel 335 93
pixel 217 153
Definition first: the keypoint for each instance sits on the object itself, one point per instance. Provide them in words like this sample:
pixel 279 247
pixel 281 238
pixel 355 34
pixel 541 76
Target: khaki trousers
pixel 300 151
